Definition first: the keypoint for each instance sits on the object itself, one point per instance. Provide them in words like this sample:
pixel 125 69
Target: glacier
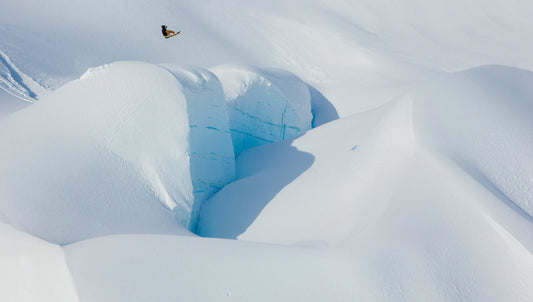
pixel 130 147
pixel 420 191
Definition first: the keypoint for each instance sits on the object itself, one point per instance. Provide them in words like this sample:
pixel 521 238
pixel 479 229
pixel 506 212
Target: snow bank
pixel 427 197
pixel 319 187
pixel 473 117
pixel 148 142
pixel 482 119
pixel 477 118
pixel 174 268
pixel 32 269
pixel 105 154
pixel 264 106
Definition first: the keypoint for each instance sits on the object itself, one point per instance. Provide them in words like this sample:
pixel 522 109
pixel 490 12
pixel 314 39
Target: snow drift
pixel 482 119
pixel 32 269
pixel 374 204
pixel 175 268
pixel 426 198
pixel 145 142
pixel 105 154
pixel 470 117
pixel 416 194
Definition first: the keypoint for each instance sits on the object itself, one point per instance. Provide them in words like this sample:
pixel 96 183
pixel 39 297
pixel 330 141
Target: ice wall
pixel 265 106
pixel 130 147
pixel 212 162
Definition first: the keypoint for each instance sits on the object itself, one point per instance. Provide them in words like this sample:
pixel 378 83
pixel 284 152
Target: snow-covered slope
pixel 355 164
pixel 421 191
pixel 32 269
pixel 421 194
pixel 144 142
pixel 358 54
pixel 104 154
pixel 174 268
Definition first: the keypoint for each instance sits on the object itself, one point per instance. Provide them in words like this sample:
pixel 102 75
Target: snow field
pixel 421 192
pixel 435 233
pixel 175 268
pixel 416 193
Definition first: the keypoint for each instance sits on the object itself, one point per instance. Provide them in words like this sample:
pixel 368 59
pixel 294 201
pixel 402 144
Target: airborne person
pixel 168 33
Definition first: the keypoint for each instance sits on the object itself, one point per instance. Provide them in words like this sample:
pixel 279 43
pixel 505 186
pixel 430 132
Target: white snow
pixel 105 154
pixel 360 156
pixel 174 268
pixel 145 142
pixel 415 183
pixel 391 189
pixel 32 269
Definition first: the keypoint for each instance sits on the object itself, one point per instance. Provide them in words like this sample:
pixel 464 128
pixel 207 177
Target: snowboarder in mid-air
pixel 168 33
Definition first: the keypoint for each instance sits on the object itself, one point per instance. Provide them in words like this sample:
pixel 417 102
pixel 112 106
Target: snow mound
pixel 110 153
pixel 32 269
pixel 428 196
pixel 481 119
pixel 340 170
pixel 175 268
pixel 317 188
pixel 265 106
pixel 149 142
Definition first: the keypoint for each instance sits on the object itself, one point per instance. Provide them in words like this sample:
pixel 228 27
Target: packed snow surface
pixel 337 150
pixel 33 269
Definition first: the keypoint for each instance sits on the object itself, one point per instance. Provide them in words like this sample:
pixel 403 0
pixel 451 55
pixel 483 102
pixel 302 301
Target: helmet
pixel 163 26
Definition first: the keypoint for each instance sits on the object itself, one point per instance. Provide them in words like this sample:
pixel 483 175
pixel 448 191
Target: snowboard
pixel 170 36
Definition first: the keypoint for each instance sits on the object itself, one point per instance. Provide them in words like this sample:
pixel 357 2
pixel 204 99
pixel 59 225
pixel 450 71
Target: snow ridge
pixel 17 83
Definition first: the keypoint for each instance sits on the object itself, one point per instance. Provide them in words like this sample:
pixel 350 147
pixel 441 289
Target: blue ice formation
pixel 133 146
pixel 212 161
pixel 265 106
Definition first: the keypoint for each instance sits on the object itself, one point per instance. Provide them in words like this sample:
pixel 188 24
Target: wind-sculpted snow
pixel 482 119
pixel 265 106
pixel 145 142
pixel 421 191
pixel 347 162
pixel 429 196
pixel 17 83
pixel 113 152
pixel 32 269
